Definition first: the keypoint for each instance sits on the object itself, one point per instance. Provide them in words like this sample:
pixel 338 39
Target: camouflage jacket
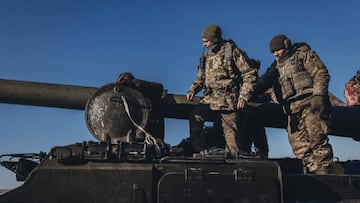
pixel 352 90
pixel 225 76
pixel 296 77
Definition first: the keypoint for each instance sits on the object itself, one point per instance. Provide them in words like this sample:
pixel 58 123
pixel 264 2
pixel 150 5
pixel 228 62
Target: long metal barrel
pixel 44 94
pixel 344 121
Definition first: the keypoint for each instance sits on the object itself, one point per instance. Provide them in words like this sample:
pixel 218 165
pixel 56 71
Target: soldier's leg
pixel 245 132
pixel 260 139
pixel 307 136
pixel 230 128
pixel 156 122
pixel 196 121
pixel 321 151
pixel 298 138
pixel 215 136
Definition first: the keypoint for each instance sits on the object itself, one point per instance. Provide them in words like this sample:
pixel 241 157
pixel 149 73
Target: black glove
pixel 317 103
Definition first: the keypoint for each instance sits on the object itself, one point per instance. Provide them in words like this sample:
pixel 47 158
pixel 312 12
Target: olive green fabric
pixel 212 33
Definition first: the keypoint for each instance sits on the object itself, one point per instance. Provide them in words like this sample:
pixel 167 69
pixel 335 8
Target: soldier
pixel 300 81
pixel 352 90
pixel 154 92
pixel 228 81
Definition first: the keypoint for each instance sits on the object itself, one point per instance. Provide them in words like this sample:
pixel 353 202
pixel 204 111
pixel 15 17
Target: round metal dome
pixel 106 115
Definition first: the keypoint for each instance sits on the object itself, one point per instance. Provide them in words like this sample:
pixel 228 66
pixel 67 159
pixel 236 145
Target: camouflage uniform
pixel 352 90
pixel 225 80
pixel 297 78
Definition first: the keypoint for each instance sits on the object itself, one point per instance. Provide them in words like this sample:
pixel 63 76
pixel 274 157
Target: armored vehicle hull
pixel 103 172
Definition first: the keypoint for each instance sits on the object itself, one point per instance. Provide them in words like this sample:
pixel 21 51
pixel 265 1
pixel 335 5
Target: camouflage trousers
pixel 307 133
pixel 229 122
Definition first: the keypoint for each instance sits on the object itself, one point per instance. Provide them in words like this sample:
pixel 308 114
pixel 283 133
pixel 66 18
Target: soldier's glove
pixel 317 103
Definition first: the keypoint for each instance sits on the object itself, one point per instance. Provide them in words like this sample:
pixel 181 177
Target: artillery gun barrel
pixel 44 94
pixel 344 121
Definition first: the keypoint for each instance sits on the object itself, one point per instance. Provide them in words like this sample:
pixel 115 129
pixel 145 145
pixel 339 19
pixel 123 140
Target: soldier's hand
pixel 317 103
pixel 241 104
pixel 190 95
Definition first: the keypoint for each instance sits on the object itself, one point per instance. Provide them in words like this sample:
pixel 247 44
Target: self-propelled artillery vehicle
pixel 130 163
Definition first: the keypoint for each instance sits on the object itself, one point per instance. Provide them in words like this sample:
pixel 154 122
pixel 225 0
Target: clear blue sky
pixel 89 42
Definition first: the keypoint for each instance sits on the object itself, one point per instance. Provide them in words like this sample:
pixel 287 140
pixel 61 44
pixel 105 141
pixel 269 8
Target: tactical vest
pixel 222 79
pixel 295 81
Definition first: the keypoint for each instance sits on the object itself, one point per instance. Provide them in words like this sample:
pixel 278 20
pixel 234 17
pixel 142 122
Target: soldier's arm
pixel 198 83
pixel 318 72
pixel 248 75
pixel 265 81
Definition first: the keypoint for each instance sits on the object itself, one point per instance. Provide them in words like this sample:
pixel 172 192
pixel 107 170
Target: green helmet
pixel 212 33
